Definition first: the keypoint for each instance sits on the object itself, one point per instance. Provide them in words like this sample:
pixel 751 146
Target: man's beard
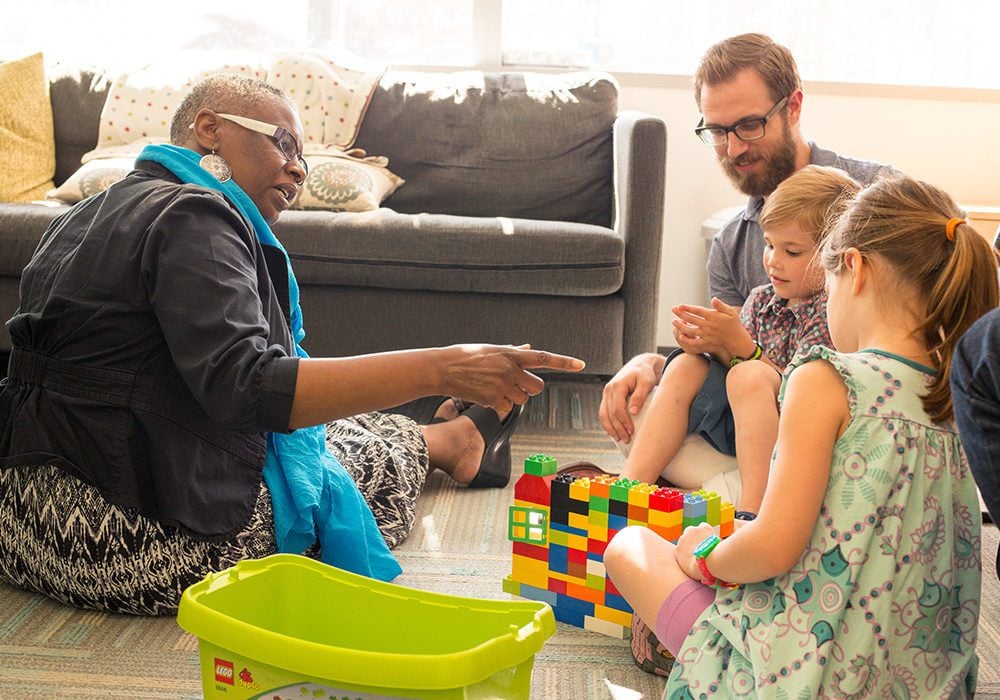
pixel 777 167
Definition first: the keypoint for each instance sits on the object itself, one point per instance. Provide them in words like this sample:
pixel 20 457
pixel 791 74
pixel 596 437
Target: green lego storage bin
pixel 290 627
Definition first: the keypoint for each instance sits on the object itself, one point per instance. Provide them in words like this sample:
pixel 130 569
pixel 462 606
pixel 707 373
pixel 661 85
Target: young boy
pixel 723 382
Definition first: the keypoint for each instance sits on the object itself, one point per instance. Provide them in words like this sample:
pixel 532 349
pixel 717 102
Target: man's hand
pixel 626 393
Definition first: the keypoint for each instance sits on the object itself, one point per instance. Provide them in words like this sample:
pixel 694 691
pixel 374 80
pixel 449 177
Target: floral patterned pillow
pixel 92 177
pixel 346 181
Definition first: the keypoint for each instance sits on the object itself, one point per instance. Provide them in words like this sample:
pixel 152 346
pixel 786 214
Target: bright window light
pixel 924 42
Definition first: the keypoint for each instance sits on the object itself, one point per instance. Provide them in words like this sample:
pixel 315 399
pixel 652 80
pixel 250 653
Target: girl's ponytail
pixel 965 290
pixel 917 229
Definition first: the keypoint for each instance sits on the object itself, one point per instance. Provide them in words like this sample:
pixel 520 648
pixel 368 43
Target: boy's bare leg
pixel 664 426
pixel 752 388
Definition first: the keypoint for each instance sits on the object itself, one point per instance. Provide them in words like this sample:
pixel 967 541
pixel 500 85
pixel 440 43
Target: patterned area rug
pixel 51 651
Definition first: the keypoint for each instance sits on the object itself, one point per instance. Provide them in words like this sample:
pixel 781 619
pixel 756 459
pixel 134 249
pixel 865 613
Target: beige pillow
pixel 26 137
pixel 141 103
pixel 345 181
pixel 93 176
pixel 331 97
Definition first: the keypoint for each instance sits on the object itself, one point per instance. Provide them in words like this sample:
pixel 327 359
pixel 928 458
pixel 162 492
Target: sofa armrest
pixel 640 160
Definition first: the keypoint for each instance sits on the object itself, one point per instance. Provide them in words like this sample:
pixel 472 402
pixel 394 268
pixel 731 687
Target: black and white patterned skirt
pixel 59 537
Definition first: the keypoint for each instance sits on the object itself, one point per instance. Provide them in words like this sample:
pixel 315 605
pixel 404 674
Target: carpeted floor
pixel 459 546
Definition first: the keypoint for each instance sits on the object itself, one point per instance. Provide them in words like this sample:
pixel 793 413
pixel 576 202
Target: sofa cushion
pixel 438 252
pixel 26 140
pixel 525 145
pixel 21 226
pixel 345 181
pixel 385 249
pixel 77 96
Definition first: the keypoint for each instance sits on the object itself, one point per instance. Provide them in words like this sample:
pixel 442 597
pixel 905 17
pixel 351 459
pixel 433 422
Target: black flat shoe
pixel 494 469
pixel 591 470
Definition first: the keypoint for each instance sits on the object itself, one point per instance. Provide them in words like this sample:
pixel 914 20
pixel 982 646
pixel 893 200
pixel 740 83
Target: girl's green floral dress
pixel 884 602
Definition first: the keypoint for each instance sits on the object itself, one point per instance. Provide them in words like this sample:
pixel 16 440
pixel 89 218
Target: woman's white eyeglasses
pixel 286 143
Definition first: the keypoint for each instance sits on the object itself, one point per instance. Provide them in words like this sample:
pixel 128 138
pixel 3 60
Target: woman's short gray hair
pixel 223 92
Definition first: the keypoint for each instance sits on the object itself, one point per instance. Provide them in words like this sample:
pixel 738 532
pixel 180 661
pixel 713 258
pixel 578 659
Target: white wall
pixel 950 138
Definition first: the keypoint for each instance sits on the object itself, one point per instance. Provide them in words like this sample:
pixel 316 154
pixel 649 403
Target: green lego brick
pixel 596 582
pixel 540 465
pixel 598 504
pixel 511 586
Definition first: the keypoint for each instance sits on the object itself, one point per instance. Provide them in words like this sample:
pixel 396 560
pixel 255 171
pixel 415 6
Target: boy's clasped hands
pixel 717 330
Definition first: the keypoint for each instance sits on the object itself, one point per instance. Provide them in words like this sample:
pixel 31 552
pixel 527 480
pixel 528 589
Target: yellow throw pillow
pixel 26 137
pixel 345 181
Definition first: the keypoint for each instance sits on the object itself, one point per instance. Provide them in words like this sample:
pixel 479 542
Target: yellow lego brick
pixel 599 534
pixel 559 576
pixel 521 563
pixel 619 617
pixel 530 578
pixel 659 517
pixel 578 520
pixel 638 496
pixel 611 629
pixel 576 542
pixel 675 518
pixel 726 513
pixel 579 490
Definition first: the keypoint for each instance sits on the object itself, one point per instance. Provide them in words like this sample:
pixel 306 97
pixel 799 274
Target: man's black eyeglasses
pixel 745 129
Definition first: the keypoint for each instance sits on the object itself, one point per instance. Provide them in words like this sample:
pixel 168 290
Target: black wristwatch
pixel 755 355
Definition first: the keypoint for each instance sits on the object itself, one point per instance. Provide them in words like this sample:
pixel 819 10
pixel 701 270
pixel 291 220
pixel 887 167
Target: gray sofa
pixel 527 216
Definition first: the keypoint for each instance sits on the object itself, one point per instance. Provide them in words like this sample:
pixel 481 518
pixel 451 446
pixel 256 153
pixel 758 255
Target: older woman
pixel 160 419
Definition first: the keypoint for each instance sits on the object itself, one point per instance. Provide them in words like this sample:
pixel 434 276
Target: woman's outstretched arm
pixel 492 375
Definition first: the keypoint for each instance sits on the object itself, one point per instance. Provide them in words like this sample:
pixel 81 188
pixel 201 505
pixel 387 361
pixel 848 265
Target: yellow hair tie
pixel 949 228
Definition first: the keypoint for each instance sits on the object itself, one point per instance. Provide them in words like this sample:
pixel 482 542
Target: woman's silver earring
pixel 217 166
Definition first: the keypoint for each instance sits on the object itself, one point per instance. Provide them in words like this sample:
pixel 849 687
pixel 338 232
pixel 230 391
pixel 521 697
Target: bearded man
pixel 749 93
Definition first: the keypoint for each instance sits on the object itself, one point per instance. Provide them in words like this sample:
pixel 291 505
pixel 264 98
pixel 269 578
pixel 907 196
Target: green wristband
pixel 706 546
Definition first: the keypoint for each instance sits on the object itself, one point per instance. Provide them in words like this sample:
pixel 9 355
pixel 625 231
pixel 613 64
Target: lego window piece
pixel 528 525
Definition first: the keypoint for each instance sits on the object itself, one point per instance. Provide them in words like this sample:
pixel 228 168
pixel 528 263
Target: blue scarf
pixel 311 492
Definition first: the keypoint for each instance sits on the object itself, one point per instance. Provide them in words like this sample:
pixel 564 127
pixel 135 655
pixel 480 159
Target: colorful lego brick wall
pixel 560 525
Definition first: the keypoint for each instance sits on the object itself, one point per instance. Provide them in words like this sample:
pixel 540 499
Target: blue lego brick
pixel 617 522
pixel 570 617
pixel 540 594
pixel 694 506
pixel 565 602
pixel 562 527
pixel 617 602
pixel 558 558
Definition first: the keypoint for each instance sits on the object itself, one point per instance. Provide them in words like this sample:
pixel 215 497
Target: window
pixel 925 42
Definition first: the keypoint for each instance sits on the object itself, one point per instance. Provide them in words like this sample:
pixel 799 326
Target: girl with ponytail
pixel 861 574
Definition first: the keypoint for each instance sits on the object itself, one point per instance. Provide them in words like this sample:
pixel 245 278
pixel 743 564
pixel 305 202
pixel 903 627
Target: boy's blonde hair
pixel 905 224
pixel 772 62
pixel 811 198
